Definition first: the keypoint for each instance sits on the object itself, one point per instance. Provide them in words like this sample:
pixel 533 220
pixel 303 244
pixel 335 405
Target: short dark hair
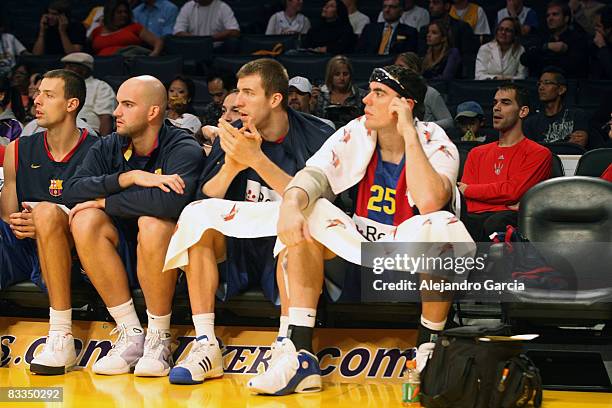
pixel 109 11
pixel 74 85
pixel 228 79
pixel 521 94
pixel 565 9
pixel 559 74
pixel 273 76
pixel 414 83
pixel 62 7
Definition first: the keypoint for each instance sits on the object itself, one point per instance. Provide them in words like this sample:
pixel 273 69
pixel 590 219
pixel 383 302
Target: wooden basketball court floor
pixel 82 388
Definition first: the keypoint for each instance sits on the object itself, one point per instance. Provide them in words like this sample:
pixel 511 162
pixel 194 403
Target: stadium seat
pixel 363 65
pixel 201 91
pixel 592 92
pixel 163 68
pixel 41 63
pixel 250 43
pixel 115 81
pixel 196 52
pixel 232 63
pixel 109 66
pixel 309 66
pixel 482 92
pixel 561 211
pixel 557 167
pixel 565 148
pixel 440 85
pixel 594 162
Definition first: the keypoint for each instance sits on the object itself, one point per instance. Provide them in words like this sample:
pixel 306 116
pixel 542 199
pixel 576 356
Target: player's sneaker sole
pixel 48 370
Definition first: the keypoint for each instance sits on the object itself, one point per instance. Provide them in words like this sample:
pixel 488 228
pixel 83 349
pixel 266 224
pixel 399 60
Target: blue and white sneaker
pixel 290 371
pixel 203 361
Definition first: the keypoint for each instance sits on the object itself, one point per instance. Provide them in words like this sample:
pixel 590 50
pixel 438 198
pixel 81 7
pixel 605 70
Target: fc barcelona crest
pixel 55 188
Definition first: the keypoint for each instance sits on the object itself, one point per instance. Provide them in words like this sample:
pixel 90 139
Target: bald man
pixel 132 187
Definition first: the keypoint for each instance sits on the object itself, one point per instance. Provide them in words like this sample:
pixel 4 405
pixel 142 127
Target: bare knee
pixel 48 217
pixel 92 224
pixel 154 233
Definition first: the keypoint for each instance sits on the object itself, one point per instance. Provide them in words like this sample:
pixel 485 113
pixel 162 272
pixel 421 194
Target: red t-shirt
pixel 110 43
pixel 607 174
pixel 499 176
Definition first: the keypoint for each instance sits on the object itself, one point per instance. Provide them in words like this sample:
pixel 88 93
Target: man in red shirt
pixel 496 175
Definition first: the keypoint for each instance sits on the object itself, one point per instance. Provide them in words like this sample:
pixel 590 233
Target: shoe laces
pixel 197 349
pixel 121 341
pixel 55 342
pixel 153 342
pixel 286 352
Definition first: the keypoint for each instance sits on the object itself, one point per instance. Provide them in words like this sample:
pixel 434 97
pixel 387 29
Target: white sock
pixel 205 326
pixel 284 326
pixel 126 314
pixel 302 316
pixel 60 320
pixel 439 326
pixel 159 323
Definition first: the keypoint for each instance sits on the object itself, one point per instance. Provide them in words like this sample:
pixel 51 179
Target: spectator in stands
pixel 390 37
pixel 334 33
pixel 400 143
pixel 462 33
pixel 472 14
pixel 526 16
pixel 299 97
pixel 58 34
pixel 584 12
pixel 501 58
pixel 157 16
pixel 601 46
pixel 435 108
pixel 142 176
pixel 562 47
pixel 357 18
pixel 413 16
pixel 496 175
pixel 181 91
pixel 229 112
pixel 100 101
pixel 120 35
pixel 339 90
pixel 253 164
pixel 442 60
pixel 10 49
pixel 207 17
pixel 94 19
pixel 555 122
pixel 10 127
pixel 468 120
pixel 289 21
pixel 20 81
pixel 219 84
pixel 35 170
pixel 30 108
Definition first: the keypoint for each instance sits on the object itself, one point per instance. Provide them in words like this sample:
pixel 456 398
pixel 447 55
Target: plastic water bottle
pixel 412 387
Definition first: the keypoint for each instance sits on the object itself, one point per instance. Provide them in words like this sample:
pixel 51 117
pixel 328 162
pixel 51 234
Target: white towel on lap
pixel 239 219
pixel 337 231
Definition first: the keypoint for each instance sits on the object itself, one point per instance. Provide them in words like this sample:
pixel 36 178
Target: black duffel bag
pixel 465 372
